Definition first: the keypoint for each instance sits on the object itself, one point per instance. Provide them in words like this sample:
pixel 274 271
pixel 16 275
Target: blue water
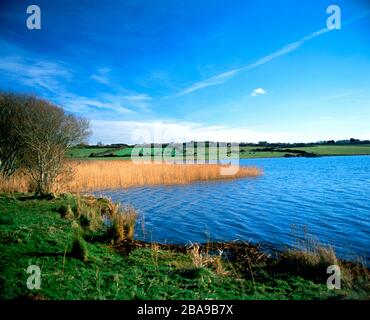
pixel 328 197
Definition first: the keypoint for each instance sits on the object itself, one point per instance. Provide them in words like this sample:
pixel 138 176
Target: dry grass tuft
pixel 197 258
pixel 312 263
pixel 109 174
pixel 308 260
pixel 123 223
pixel 203 259
pixel 88 213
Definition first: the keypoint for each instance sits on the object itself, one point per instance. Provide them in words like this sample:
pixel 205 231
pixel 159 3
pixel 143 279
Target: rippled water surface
pixel 328 196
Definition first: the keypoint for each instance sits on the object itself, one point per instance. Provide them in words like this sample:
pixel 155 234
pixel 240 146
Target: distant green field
pixel 123 152
pixel 244 152
pixel 261 154
pixel 362 149
pixel 146 151
pixel 84 152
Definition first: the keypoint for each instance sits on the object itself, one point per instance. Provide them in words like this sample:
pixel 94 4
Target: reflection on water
pixel 329 196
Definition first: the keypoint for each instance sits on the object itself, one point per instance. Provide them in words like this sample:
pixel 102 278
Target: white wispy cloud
pixel 138 97
pixel 105 104
pixel 223 77
pixel 101 103
pixel 54 81
pixel 102 75
pixel 132 100
pixel 34 73
pixel 218 79
pixel 258 91
pixel 51 79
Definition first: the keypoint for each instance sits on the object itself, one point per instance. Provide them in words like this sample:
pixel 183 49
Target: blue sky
pixel 205 70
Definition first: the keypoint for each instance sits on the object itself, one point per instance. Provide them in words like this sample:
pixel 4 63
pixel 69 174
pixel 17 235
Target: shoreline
pixel 66 237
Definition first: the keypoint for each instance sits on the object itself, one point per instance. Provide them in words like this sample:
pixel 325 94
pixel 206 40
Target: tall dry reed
pixel 105 174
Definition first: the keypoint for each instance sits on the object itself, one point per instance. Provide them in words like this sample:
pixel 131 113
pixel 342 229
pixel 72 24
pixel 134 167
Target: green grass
pixel 84 152
pixel 245 152
pixel 126 153
pixel 339 150
pixel 123 152
pixel 33 233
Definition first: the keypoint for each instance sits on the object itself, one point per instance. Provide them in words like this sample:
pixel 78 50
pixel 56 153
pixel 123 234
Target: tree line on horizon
pixel 351 141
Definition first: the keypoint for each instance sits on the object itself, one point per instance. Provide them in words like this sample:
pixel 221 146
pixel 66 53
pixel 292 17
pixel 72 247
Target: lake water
pixel 329 197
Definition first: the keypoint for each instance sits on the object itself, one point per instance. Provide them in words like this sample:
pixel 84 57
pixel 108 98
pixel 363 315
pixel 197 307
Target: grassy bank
pixel 95 265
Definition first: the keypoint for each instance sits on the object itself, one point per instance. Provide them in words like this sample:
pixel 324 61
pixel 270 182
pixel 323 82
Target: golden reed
pixel 113 174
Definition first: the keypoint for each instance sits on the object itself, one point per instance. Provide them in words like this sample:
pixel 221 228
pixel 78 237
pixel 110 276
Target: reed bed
pixel 98 175
pixel 95 175
pixel 16 183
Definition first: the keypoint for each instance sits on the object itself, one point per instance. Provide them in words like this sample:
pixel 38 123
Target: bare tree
pixel 11 146
pixel 45 132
